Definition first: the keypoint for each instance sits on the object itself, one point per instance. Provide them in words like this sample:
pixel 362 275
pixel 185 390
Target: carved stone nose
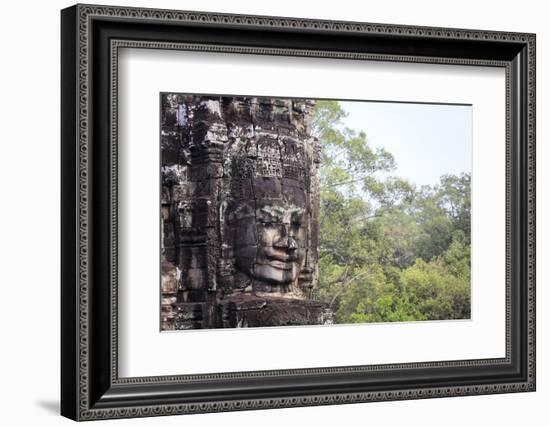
pixel 287 243
pixel 291 244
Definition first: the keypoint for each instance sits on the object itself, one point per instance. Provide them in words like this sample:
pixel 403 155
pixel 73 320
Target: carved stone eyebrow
pixel 276 212
pixel 282 213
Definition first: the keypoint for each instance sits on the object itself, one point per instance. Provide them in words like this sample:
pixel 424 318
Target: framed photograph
pixel 263 212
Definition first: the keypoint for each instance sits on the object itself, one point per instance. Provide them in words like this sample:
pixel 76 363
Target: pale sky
pixel 426 140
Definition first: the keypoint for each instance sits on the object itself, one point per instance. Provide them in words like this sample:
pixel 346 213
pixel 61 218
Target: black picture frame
pixel 90 386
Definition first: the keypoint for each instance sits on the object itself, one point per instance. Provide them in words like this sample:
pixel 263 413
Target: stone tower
pixel 240 210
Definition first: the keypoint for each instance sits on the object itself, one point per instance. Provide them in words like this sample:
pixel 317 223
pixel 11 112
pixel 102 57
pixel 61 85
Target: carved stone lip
pixel 280 255
pixel 281 264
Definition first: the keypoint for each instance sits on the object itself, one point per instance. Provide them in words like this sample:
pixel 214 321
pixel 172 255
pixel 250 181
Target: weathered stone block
pixel 252 311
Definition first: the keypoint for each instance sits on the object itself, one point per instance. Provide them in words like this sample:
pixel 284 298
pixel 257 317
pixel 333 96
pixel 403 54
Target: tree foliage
pixel 388 251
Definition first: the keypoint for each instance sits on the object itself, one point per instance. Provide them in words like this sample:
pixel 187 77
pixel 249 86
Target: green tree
pixel 388 251
pixel 347 176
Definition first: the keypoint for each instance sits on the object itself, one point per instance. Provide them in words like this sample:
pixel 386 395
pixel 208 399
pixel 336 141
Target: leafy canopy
pixel 388 251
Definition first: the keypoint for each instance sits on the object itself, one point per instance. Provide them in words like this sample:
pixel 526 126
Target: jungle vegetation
pixel 388 250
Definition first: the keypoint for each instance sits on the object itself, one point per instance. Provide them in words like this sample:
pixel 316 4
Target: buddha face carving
pixel 267 210
pixel 280 250
pixel 270 244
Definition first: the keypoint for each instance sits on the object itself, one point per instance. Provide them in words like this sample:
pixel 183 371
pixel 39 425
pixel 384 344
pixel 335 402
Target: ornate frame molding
pixel 78 23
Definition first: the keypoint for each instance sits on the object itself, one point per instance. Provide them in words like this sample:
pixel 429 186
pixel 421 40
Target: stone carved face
pixel 270 241
pixel 267 214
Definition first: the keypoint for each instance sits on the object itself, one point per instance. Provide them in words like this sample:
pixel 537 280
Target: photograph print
pixel 293 211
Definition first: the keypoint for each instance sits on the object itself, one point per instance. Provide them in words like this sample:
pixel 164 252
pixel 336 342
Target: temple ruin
pixel 239 213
